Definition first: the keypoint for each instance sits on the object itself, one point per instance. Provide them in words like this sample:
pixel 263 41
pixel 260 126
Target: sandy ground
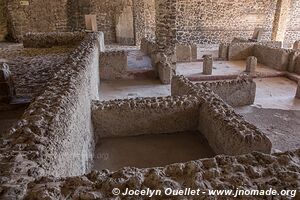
pixel 150 150
pixel 122 89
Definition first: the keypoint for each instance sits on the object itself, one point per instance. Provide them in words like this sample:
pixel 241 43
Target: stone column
pixel 298 91
pixel 223 51
pixel 251 64
pixel 166 33
pixel 297 45
pixel 207 64
pixel 194 52
pixel 280 19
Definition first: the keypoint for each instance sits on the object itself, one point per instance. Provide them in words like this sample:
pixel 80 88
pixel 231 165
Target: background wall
pixel 292 32
pixel 214 21
pixel 3 20
pixel 197 21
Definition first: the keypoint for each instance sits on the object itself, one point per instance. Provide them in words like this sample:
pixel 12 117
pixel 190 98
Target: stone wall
pixel 113 65
pixel 226 131
pixel 3 20
pixel 142 116
pixel 234 92
pixel 144 19
pixel 272 57
pixel 55 135
pixel 219 21
pixel 38 16
pixel 292 32
pixel 254 171
pixel 48 40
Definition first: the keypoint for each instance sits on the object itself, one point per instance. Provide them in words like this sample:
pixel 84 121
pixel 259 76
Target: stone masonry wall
pixel 226 131
pixel 48 40
pixel 3 20
pixel 55 134
pixel 292 32
pixel 254 171
pixel 216 21
pixel 118 118
pixel 234 92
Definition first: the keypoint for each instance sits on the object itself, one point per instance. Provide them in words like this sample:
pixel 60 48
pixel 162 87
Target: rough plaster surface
pixel 142 116
pixel 218 121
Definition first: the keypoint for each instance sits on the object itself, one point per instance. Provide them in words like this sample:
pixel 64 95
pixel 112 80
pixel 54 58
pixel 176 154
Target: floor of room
pixel 151 150
pixel 221 68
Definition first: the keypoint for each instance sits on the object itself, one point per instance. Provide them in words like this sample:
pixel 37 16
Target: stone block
pixel 91 23
pixel 194 52
pixel 207 64
pixel 223 51
pixel 183 53
pixel 298 91
pixel 251 64
pixel 296 45
pixel 257 34
pixel 165 73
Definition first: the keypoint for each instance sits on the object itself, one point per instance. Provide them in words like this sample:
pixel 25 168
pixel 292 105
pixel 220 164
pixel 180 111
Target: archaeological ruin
pixel 149 99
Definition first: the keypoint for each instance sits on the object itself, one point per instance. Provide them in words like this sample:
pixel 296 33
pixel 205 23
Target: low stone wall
pixel 234 92
pixel 113 65
pixel 142 116
pixel 242 50
pixel 272 57
pixel 148 46
pixel 55 135
pixel 296 63
pixel 254 171
pixel 227 132
pixel 186 53
pixel 47 40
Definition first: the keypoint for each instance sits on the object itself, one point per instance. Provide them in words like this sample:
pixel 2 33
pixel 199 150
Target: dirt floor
pixel 123 89
pixel 150 150
pixel 276 112
pixel 195 69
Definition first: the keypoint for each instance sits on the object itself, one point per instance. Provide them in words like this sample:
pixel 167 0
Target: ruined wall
pixel 216 21
pixel 234 92
pixel 113 65
pixel 48 40
pixel 38 16
pixel 226 132
pixel 272 57
pixel 142 116
pixel 252 171
pixel 292 32
pixel 3 20
pixel 55 135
